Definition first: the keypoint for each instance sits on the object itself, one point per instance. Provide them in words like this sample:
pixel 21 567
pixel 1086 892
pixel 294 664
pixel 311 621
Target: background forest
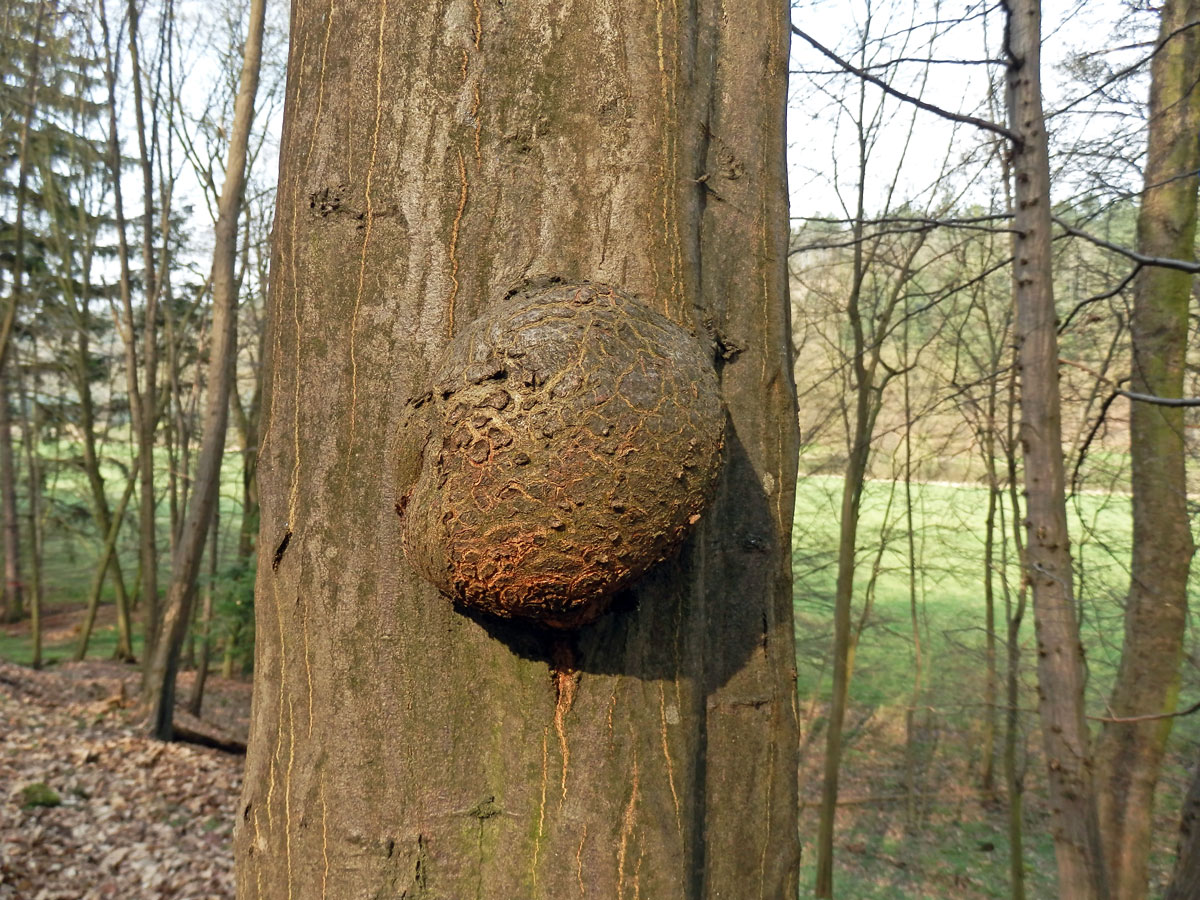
pixel 133 284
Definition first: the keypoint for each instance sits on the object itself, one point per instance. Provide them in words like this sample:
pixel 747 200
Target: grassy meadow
pixel 952 840
pixel 72 548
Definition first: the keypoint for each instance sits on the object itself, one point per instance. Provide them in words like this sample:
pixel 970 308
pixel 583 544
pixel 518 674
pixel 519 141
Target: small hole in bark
pixel 280 550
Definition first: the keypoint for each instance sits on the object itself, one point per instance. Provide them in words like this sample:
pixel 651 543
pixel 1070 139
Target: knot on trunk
pixel 575 439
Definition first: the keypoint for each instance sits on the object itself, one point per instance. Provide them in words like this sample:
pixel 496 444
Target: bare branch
pixel 1121 285
pixel 1121 720
pixel 900 95
pixel 1161 401
pixel 927 61
pixel 1162 262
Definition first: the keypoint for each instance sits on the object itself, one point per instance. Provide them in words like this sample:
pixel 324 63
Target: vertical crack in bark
pixel 662 713
pixel 324 840
pixel 458 216
pixel 579 862
pixel 566 677
pixel 627 824
pixel 537 839
pixel 368 221
pixel 666 183
pixel 307 667
pixel 287 795
pixel 297 194
pixel 475 98
pixel 277 755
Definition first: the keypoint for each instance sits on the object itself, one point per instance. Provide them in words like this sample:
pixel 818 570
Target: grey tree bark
pixel 433 157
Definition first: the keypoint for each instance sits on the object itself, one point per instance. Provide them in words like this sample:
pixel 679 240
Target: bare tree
pixel 1081 871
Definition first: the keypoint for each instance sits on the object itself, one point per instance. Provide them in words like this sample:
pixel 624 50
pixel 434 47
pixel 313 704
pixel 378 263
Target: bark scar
pixel 565 673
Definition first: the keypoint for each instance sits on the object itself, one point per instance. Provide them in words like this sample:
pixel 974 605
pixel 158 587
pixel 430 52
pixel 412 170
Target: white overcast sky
pixel 822 154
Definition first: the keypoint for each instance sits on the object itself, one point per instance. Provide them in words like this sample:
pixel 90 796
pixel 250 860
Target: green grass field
pixel 73 546
pixel 959 847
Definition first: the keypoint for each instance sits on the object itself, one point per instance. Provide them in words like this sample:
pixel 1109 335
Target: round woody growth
pixel 575 438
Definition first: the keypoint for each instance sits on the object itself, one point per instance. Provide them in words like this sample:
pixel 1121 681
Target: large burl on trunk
pixel 436 156
pixel 571 439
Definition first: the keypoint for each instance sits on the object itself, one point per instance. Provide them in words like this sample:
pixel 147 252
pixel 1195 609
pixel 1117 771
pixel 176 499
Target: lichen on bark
pixel 574 437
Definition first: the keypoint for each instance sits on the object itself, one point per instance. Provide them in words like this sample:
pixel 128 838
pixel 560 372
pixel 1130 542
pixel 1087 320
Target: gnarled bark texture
pixel 1129 755
pixel 434 156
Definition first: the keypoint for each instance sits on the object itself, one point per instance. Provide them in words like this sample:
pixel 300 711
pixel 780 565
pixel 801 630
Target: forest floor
pixel 144 820
pixel 90 808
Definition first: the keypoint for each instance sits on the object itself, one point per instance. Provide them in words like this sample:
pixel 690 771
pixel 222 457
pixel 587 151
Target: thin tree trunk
pixel 987 765
pixel 196 699
pixel 227 655
pixel 246 417
pixel 910 714
pixel 23 165
pixel 1081 874
pixel 1129 755
pixel 13 603
pixel 146 422
pixel 29 438
pixel 852 486
pixel 123 317
pixel 13 588
pixel 660 761
pixel 1014 774
pixel 107 554
pixel 100 509
pixel 185 565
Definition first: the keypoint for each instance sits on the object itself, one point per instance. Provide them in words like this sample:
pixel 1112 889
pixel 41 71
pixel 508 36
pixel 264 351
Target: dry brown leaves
pixel 138 818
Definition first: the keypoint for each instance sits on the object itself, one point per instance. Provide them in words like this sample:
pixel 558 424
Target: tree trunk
pixel 1065 736
pixel 33 469
pixel 1185 880
pixel 107 554
pixel 13 604
pixel 196 698
pixel 145 418
pixel 124 319
pixel 399 746
pixel 987 765
pixel 101 513
pixel 189 550
pixel 246 417
pixel 14 607
pixel 1014 616
pixel 1129 755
